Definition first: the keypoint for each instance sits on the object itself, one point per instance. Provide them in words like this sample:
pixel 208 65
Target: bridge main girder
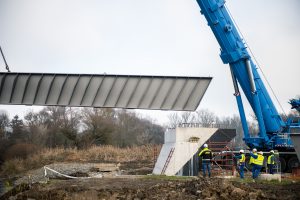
pixel 102 90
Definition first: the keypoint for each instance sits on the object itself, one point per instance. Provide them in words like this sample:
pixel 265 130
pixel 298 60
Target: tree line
pixel 74 128
pixel 81 128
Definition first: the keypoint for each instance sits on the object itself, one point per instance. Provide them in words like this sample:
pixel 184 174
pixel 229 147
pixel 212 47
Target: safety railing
pixel 222 162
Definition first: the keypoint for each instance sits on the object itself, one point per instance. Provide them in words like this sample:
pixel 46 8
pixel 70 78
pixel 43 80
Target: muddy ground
pixel 139 187
pixel 153 188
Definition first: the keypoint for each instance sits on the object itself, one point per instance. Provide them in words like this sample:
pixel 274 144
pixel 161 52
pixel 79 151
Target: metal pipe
pixel 256 103
pixel 250 76
pixel 240 105
pixel 235 85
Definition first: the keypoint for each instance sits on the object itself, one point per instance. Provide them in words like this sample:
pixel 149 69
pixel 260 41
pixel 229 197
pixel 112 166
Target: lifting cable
pixel 238 29
pixel 6 65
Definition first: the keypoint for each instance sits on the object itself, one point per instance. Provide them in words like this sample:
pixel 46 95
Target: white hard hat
pixel 205 145
pixel 241 151
pixel 260 152
pixel 271 151
pixel 254 150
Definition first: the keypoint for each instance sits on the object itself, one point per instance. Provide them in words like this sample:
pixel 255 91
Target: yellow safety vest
pixel 205 151
pixel 259 160
pixel 252 159
pixel 242 160
pixel 269 160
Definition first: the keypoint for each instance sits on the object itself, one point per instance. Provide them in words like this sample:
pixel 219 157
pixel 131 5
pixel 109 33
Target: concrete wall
pixel 179 139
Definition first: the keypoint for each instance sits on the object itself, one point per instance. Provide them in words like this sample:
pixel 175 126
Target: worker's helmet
pixel 271 151
pixel 241 151
pixel 260 152
pixel 254 150
pixel 205 145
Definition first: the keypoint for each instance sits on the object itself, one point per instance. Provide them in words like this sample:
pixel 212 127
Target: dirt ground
pixel 140 187
pixel 133 187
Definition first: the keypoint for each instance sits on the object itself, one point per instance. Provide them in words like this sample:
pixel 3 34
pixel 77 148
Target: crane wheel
pixel 282 164
pixel 293 162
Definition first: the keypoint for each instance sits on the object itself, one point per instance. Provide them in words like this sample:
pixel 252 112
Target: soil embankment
pixel 149 187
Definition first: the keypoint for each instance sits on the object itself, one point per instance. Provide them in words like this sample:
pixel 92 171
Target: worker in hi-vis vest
pixel 258 161
pixel 206 156
pixel 241 162
pixel 254 151
pixel 271 162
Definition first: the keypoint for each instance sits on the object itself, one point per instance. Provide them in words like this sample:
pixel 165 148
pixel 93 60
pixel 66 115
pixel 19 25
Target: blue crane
pixel 295 104
pixel 273 130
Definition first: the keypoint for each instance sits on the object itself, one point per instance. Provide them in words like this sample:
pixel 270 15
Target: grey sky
pixel 157 37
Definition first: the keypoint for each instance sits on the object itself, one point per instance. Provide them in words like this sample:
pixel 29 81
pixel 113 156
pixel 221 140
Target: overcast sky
pixel 157 37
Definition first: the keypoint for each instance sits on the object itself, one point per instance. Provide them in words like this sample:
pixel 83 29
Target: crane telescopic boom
pixel 272 129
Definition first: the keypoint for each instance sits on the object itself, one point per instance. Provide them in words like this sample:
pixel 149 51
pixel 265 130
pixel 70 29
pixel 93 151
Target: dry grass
pixel 93 154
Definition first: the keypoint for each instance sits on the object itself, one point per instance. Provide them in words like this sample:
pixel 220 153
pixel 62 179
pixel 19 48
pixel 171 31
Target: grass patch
pixel 264 182
pixel 168 178
pixel 275 182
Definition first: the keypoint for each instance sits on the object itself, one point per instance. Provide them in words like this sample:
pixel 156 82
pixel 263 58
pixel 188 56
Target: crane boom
pixel 245 74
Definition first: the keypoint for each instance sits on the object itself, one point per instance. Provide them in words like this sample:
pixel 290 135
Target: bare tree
pixel 187 117
pixel 37 128
pixel 62 124
pixel 205 117
pixel 98 124
pixel 128 128
pixel 174 120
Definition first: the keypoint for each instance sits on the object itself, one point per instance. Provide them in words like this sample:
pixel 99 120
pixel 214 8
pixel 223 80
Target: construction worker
pixel 258 161
pixel 206 156
pixel 241 162
pixel 254 151
pixel 271 162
